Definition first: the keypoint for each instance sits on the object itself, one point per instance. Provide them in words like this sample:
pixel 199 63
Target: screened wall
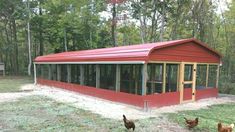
pixel 212 76
pixel 155 78
pixel 75 74
pixel 107 76
pixel 43 71
pixel 131 79
pixel 90 75
pixel 53 72
pixel 172 74
pixel 201 76
pixel 206 78
pixel 161 77
pixel 64 73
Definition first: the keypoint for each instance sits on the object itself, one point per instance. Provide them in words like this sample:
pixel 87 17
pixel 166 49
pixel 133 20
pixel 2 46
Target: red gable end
pixel 177 50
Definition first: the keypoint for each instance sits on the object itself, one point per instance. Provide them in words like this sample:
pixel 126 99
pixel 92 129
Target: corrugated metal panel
pixel 188 52
pixel 124 53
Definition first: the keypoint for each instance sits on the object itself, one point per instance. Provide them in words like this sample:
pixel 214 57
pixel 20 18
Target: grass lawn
pixel 208 118
pixel 35 113
pixel 13 84
pixel 40 113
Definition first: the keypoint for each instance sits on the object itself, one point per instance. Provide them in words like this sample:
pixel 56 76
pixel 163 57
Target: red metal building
pixel 154 74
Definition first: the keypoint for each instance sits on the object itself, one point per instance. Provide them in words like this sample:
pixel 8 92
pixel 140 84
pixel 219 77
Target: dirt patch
pixel 107 108
pixel 13 96
pixel 152 120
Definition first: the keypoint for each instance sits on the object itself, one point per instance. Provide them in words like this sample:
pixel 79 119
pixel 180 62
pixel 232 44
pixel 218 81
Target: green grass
pixel 39 113
pixel 13 84
pixel 208 118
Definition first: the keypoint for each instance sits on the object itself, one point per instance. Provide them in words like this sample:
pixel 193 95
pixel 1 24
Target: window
pixel 212 76
pixel 75 74
pixel 201 76
pixel 155 78
pixel 131 79
pixel 108 76
pixel 89 75
pixel 171 77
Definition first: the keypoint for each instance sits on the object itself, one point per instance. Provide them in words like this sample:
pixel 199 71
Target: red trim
pixel 166 99
pixel 206 93
pixel 155 100
pixel 187 94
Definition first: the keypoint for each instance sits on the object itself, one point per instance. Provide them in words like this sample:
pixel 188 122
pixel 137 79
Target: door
pixel 188 79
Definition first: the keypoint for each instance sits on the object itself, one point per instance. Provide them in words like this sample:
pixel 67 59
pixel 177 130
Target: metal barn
pixel 156 74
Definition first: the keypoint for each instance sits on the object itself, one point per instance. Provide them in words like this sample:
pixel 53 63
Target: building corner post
pixel 144 78
pixel 117 85
pixel 35 73
pixel 97 67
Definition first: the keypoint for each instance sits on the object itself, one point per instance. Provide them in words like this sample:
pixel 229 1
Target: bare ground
pixel 115 110
pixel 103 107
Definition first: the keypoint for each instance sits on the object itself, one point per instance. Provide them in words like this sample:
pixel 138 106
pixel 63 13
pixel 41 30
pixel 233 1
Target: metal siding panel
pixel 189 52
pixel 123 53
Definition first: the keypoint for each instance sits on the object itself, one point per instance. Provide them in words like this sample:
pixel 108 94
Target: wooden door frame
pixel 181 81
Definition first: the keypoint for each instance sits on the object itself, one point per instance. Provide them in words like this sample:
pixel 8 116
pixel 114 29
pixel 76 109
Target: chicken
pixel 225 128
pixel 191 123
pixel 128 123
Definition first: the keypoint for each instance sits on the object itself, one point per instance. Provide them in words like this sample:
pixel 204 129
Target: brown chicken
pixel 191 123
pixel 128 123
pixel 225 128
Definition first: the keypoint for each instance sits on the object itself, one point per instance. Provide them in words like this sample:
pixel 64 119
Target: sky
pixel 222 5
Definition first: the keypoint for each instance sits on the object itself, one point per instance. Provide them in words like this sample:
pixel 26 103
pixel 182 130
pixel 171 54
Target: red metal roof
pixel 123 53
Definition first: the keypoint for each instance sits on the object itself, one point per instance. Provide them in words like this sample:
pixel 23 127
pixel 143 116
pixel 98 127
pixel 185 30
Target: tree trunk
pixel 114 24
pixel 153 27
pixel 162 22
pixel 40 32
pixel 15 47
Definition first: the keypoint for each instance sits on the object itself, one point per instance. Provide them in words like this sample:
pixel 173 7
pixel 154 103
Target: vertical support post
pixel 152 78
pixel 164 78
pixel 118 78
pixel 58 72
pixel 194 81
pixel 144 78
pixel 3 69
pixel 97 69
pixel 35 73
pixel 81 74
pixel 49 72
pixel 178 75
pixel 69 73
pixel 207 74
pixel 42 68
pixel 181 81
pixel 217 77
